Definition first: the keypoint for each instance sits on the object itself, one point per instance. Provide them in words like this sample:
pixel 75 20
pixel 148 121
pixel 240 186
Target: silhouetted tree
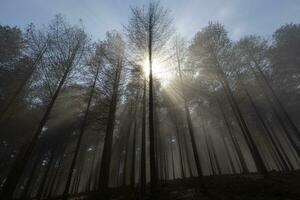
pixel 149 30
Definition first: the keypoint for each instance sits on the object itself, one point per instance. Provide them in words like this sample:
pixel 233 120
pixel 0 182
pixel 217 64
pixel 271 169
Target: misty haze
pixel 149 100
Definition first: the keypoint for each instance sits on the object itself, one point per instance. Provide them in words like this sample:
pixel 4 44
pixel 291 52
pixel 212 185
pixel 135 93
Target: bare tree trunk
pixel 117 161
pixel 79 140
pixel 143 145
pixel 108 141
pixel 31 175
pixel 156 135
pixel 19 166
pixel 132 177
pixel 187 156
pixel 288 118
pixel 45 176
pixel 214 153
pixel 54 178
pixel 277 115
pixel 180 151
pixel 266 129
pixel 173 162
pixel 127 147
pixel 77 181
pixel 131 115
pixel 190 127
pixel 234 140
pixel 166 166
pixel 277 142
pixel 153 173
pixel 229 156
pixel 56 174
pixel 162 150
pixel 91 174
pixel 210 156
pixel 245 130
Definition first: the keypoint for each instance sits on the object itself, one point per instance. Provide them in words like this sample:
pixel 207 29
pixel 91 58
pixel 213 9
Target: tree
pixel 284 60
pixel 148 31
pixel 180 54
pixel 253 51
pixel 114 53
pixel 65 51
pixel 95 63
pixel 211 48
pixel 11 44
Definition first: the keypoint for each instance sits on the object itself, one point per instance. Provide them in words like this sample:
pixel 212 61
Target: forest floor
pixel 225 187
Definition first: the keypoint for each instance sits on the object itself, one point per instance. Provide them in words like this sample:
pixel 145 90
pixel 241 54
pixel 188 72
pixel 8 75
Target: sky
pixel 240 17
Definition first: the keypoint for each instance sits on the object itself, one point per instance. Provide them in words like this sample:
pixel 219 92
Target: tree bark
pixel 143 145
pixel 79 140
pixel 132 178
pixel 19 166
pixel 245 130
pixel 108 141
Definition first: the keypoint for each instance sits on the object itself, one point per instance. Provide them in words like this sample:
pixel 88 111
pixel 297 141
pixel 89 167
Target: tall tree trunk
pixel 45 176
pixel 191 132
pixel 31 175
pixel 288 118
pixel 19 166
pixel 79 140
pixel 265 127
pixel 58 163
pixel 143 145
pixel 277 142
pixel 167 175
pixel 132 114
pixel 156 134
pixel 180 151
pixel 190 126
pixel 234 140
pixel 173 162
pixel 127 148
pixel 55 176
pixel 242 123
pixel 119 146
pixel 132 177
pixel 185 142
pixel 229 156
pixel 153 173
pixel 277 115
pixel 214 153
pixel 78 179
pixel 91 172
pixel 108 141
pixel 210 155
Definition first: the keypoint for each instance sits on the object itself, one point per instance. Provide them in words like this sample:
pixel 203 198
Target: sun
pixel 160 71
pixel 156 68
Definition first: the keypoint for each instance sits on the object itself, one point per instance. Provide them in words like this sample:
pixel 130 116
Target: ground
pixel 226 187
